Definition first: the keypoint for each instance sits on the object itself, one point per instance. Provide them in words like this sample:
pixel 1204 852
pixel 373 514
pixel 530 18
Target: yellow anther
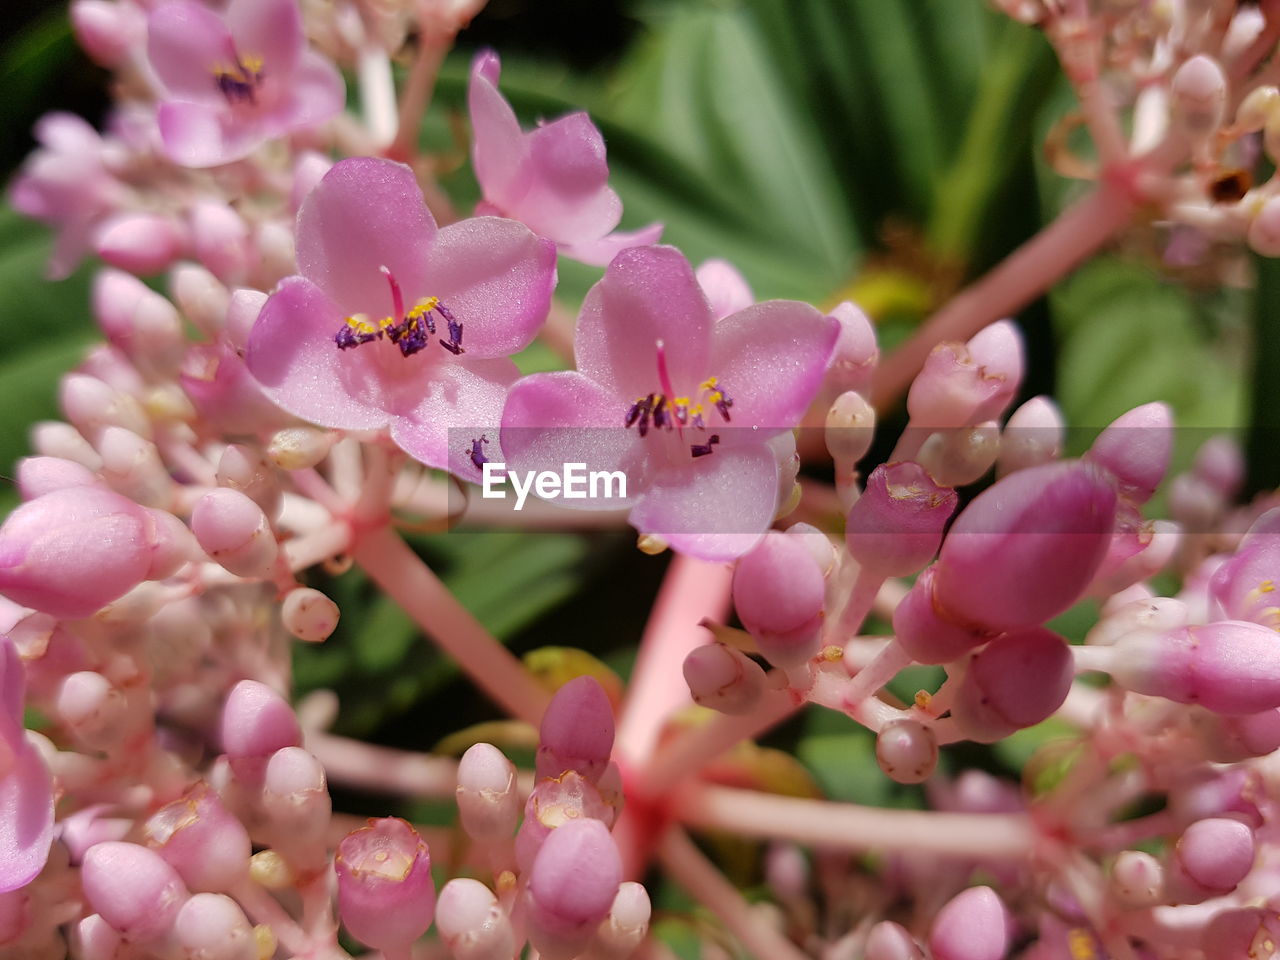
pixel 422 308
pixel 1267 586
pixel 1081 945
pixel 252 63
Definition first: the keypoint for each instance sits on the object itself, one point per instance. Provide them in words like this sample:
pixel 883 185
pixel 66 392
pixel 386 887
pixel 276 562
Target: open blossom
pixel 397 324
pixel 554 178
pixel 684 405
pixel 26 791
pixel 235 79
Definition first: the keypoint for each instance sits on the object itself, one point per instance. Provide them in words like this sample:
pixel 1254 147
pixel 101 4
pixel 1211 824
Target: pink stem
pixel 1021 277
pixel 406 579
pixel 317 546
pixel 698 875
pixel 848 826
pixel 356 764
pixel 415 98
pixel 866 587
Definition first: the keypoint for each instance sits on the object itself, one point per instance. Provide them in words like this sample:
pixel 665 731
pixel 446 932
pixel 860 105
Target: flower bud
pixel 890 941
pixel 242 468
pixel 142 243
pixel 896 526
pixel 786 871
pixel 1264 229
pixel 471 922
pixel 1252 932
pixel 906 751
pixel 851 426
pixel 576 731
pixel 1258 106
pixel 256 722
pixel 1014 682
pixel 488 802
pixel 92 405
pixel 200 839
pixel 92 710
pixel 309 615
pixel 1229 667
pixel 997 349
pixel 1199 97
pixel 295 796
pixel 955 458
pixel 1025 549
pixel 1137 879
pixel 308 170
pixel 1214 855
pixel 1135 449
pixel 233 531
pixel 953 389
pixel 85 828
pixel 297 448
pixel 53 438
pixel 108 32
pixel 778 590
pixel 221 388
pixel 201 296
pixel 1160 614
pixel 924 633
pixel 1231 739
pixel 221 241
pixel 572 886
pixel 856 353
pixel 95 939
pixel 211 926
pixel 1031 437
pixel 723 679
pixel 144 907
pixel 1220 463
pixel 621 932
pixel 973 925
pixel 136 319
pixel 726 289
pixel 552 803
pixel 40 475
pixel 386 896
pixel 133 468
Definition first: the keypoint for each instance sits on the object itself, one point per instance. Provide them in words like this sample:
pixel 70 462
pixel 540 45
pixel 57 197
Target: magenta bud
pixel 723 679
pixel 552 803
pixel 1220 463
pixel 1229 667
pixel 309 615
pixel 211 926
pixel 133 889
pixel 386 896
pixel 890 941
pixel 953 389
pixel 72 551
pixel 142 243
pixel 572 885
pixel 1135 449
pixel 221 241
pixel 1137 879
pixel 924 633
pixel 907 751
pixel 220 387
pixel 856 353
pixel 778 590
pixel 1031 437
pixel 488 802
pixel 256 722
pixel 40 475
pixel 1137 552
pixel 1026 548
pixel 576 731
pixel 234 531
pixel 1215 854
pixel 472 923
pixel 974 925
pixel 200 839
pixel 896 526
pixel 108 31
pixel 1014 682
pixel 1249 933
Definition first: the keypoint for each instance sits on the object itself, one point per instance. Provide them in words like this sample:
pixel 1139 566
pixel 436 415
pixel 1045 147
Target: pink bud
pixel 727 290
pixel 572 885
pixel 308 170
pixel 201 296
pixel 295 796
pixel 1025 549
pixel 960 456
pixel 94 939
pixel 142 243
pixel 786 871
pixel 488 802
pixel 256 722
pixel 211 926
pixel 1230 667
pixel 1220 463
pixel 1137 879
pixel 201 840
pixel 953 389
pixel 1264 229
pixel 71 551
pixel 850 429
pixel 1207 792
pixel 108 32
pixel 242 314
pixel 133 468
pixel 1198 96
pixel 88 827
pixel 92 710
pixel 890 941
pixel 171 543
pixel 93 405
pixel 997 349
pixel 856 353
pixel 1031 437
pixel 233 530
pixel 243 468
pixel 386 896
pixel 135 318
pixel 40 475
pixel 895 527
pixel 221 241
pixel 974 925
pixel 1135 449
pixel 1215 854
pixel 471 922
pixel 1250 933
pixel 924 633
pixel 626 925
pixel 552 803
pixel 907 751
pixel 299 448
pixel 1231 739
pixel 53 438
pixel 1014 682
pixel 778 591
pixel 723 679
pixel 309 615
pixel 144 908
pixel 220 387
pixel 576 731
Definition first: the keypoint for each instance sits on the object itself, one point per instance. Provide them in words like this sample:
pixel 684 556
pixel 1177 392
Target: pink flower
pixel 237 79
pixel 554 179
pixel 684 405
pixel 397 324
pixel 26 790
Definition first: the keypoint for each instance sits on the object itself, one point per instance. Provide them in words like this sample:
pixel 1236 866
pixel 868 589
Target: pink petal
pixel 725 287
pixel 205 135
pixel 556 418
pixel 496 277
pixel 185 42
pixel 26 819
pixel 461 402
pixel 365 214
pixel 67 133
pixel 568 197
pixel 648 295
pixel 315 93
pixel 770 359
pixel 497 144
pixel 12 686
pixel 600 253
pixel 270 30
pixel 716 507
pixel 292 353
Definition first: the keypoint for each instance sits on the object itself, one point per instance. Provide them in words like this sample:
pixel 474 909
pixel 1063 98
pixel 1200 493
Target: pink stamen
pixel 664 378
pixel 397 298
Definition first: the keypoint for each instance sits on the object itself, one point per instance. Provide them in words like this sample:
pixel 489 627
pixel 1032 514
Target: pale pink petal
pixel 648 295
pixel 716 507
pixel 496 278
pixel 316 92
pixel 186 42
pixel 26 819
pixel 205 135
pixel 270 30
pixel 461 402
pixel 365 214
pixel 600 253
pixel 770 360
pixel 568 197
pixel 12 686
pixel 67 133
pixel 556 418
pixel 292 353
pixel 725 287
pixel 497 144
